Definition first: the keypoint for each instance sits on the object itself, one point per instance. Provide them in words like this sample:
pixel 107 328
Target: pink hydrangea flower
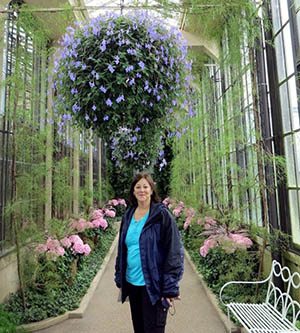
pixel 60 251
pixel 75 239
pixel 113 202
pixel 122 202
pixel 207 245
pixel 52 244
pixel 65 242
pixel 177 211
pixel 97 214
pixel 78 248
pixel 101 222
pixel 187 222
pixel 86 249
pixel 241 240
pixel 204 251
pixel 109 213
pixel 166 201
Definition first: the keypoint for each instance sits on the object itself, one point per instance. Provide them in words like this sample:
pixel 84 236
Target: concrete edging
pixel 229 325
pixel 79 312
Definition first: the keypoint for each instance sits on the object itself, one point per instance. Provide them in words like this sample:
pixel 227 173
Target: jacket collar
pixel 155 209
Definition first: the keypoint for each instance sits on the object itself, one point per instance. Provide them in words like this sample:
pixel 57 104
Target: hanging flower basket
pixel 120 71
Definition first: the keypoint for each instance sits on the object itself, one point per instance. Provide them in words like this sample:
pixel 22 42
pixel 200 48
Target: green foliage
pixel 33 26
pixel 54 291
pixel 62 188
pixel 8 322
pixel 162 174
pixel 106 191
pixel 58 228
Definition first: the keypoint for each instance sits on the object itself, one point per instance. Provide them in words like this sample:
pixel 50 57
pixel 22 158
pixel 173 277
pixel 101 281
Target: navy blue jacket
pixel 161 253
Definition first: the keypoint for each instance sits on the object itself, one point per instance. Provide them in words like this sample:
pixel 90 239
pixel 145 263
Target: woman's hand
pixel 170 300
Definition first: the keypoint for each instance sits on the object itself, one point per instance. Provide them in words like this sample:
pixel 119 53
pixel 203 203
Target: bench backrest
pixel 280 300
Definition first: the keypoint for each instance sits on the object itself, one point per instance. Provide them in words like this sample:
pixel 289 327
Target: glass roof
pixel 98 7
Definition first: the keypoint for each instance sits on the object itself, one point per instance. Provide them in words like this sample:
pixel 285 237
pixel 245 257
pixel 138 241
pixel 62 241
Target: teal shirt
pixel 134 272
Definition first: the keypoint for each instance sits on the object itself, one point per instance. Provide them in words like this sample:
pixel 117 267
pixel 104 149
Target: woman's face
pixel 142 191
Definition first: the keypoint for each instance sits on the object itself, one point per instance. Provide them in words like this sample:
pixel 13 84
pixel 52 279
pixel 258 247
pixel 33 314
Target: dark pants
pixel 146 318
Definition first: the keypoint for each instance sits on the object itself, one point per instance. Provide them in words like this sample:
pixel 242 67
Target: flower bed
pixel 65 266
pixel 60 295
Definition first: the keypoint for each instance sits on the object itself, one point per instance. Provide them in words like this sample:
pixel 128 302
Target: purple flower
pixel 162 164
pixel 103 89
pixel 117 60
pixel 129 69
pixel 131 51
pixel 94 107
pixel 66 117
pixel 132 82
pixel 87 117
pixel 120 99
pixel 92 84
pixel 74 91
pixel 141 64
pixel 106 118
pixel 138 75
pixel 137 129
pixel 75 108
pixel 77 64
pixel 72 76
pixel 134 139
pixel 108 102
pixel 111 68
pixel 103 46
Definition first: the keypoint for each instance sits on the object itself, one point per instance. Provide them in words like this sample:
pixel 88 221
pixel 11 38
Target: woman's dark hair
pixel 154 196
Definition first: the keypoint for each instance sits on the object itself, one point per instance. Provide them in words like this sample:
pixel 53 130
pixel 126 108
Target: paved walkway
pixel 194 313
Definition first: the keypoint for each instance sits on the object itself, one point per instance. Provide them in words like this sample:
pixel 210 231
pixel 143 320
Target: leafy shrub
pixel 8 322
pixel 53 294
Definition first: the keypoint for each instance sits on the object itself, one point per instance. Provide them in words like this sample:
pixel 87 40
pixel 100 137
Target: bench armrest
pixel 239 282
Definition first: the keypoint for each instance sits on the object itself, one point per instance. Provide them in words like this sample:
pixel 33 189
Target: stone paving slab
pixel 194 313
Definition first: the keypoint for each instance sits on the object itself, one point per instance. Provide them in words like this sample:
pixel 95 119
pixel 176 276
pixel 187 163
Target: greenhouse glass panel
pixel 285 113
pixel 276 15
pixel 288 47
pixel 290 161
pixel 284 11
pixel 294 201
pixel 280 58
pixel 297 152
pixel 293 103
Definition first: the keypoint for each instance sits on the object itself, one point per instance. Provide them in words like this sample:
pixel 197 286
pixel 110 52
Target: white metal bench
pixel 278 313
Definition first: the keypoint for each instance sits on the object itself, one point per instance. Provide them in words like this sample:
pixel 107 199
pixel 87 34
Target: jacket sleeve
pixel 118 259
pixel 174 256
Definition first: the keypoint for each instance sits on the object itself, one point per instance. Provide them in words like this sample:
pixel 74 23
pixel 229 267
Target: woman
pixel 149 263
